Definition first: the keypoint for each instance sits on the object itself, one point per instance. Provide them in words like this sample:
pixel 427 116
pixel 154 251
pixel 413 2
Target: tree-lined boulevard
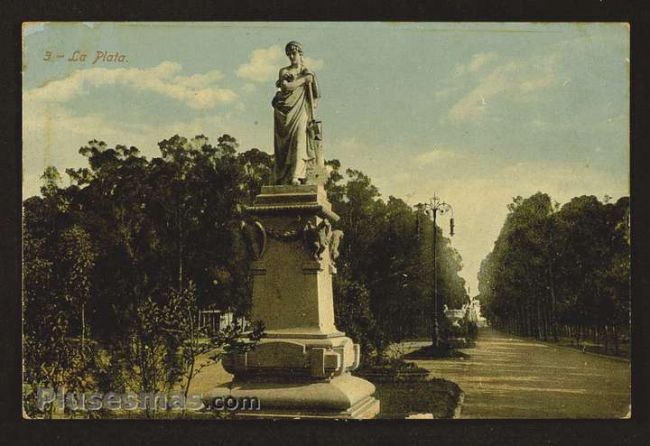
pixel 118 265
pixel 507 376
pixel 561 270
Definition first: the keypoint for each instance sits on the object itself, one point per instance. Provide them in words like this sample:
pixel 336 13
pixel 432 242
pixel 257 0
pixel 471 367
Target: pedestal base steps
pixel 342 397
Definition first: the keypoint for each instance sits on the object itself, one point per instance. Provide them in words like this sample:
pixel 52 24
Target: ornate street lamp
pixel 434 207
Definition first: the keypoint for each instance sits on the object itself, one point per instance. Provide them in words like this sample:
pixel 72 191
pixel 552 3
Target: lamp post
pixel 434 207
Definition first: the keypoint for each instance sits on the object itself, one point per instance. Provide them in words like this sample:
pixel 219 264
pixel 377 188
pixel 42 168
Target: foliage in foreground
pixel 118 264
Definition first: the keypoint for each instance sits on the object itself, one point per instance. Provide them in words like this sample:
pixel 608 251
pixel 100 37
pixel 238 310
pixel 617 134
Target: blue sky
pixel 475 112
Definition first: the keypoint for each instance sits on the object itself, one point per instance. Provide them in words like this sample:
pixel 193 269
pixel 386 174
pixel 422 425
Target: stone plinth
pixel 343 397
pixel 301 368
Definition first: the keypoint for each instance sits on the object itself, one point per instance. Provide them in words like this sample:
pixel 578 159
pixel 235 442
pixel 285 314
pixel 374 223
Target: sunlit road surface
pixel 510 377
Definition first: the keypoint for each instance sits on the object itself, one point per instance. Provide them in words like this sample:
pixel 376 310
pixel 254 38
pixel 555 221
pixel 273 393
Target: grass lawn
pixel 437 397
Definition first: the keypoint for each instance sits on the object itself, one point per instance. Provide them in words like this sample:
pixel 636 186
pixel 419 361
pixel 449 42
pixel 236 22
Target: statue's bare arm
pixel 307 77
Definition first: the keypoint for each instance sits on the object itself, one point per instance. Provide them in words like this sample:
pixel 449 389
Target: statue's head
pixel 291 46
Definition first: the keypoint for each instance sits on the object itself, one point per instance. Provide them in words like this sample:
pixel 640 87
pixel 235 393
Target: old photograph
pixel 326 220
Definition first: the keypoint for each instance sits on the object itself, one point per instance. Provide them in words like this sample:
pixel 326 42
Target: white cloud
pixel 249 88
pixel 433 157
pixel 265 63
pixel 477 186
pixel 479 198
pixel 517 79
pixel 477 62
pixel 53 134
pixel 198 91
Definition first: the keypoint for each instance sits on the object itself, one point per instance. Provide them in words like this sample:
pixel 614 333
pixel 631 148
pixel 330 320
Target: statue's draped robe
pixel 293 147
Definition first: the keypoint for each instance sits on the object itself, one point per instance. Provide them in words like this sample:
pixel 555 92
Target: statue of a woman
pixel 293 106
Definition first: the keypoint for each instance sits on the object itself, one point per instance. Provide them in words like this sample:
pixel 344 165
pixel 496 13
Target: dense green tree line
pixel 113 261
pixel 387 254
pixel 561 271
pixel 109 257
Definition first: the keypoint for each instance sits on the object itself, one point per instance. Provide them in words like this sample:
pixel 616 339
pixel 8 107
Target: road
pixel 510 377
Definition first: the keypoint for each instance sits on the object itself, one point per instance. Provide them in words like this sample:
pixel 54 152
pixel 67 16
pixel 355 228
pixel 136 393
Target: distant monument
pixel 301 368
pixel 455 315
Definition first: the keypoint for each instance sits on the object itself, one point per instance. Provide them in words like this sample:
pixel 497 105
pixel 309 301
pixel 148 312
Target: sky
pixel 477 113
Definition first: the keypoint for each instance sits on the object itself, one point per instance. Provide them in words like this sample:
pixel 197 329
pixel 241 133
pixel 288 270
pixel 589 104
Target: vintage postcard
pixel 325 220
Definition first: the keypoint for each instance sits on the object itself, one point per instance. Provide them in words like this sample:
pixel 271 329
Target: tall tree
pixel 554 267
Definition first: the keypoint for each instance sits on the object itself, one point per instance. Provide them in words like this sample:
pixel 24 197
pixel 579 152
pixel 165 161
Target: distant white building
pixel 217 320
pixel 474 313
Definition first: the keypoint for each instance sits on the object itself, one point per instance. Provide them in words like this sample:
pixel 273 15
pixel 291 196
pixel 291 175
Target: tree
pixel 387 251
pixel 353 316
pixel 76 262
pixel 554 267
pixel 57 284
pixel 144 244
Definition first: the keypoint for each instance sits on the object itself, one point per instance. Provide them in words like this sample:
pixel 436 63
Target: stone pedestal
pixel 301 368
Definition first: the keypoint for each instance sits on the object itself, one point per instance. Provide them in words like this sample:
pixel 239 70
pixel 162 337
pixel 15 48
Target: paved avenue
pixel 511 377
